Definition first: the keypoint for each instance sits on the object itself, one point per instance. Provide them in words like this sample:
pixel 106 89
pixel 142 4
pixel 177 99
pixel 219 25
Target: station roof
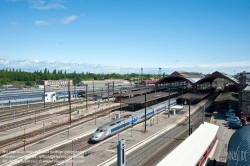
pixel 210 78
pixel 193 96
pixel 135 92
pixel 195 78
pixel 191 77
pixel 191 150
pixel 150 97
pixel 227 96
pixel 247 88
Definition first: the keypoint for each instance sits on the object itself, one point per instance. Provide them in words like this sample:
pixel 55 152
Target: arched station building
pixel 196 81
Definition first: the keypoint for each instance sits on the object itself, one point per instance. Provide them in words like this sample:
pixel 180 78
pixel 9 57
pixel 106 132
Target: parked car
pixel 235 125
pixel 229 114
pixel 233 118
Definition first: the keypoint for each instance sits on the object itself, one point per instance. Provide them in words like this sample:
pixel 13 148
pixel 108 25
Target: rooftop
pixel 227 96
pixel 150 97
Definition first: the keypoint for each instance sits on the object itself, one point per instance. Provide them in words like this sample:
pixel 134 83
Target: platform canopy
pixel 177 107
pixel 150 97
pixel 191 150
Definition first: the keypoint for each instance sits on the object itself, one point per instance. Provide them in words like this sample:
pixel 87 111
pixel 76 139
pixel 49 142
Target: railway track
pixel 169 147
pixel 66 151
pixel 22 111
pixel 33 117
pixel 17 142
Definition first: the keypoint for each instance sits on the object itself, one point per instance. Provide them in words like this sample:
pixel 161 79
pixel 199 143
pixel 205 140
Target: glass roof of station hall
pixel 191 76
pixel 230 77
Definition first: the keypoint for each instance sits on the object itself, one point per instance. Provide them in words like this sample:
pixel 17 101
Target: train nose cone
pixel 96 136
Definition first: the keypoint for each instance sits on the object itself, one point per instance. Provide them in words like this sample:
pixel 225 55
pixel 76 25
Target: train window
pixel 101 130
pixel 112 124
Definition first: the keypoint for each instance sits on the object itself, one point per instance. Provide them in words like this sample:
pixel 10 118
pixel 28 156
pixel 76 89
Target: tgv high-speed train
pixel 114 126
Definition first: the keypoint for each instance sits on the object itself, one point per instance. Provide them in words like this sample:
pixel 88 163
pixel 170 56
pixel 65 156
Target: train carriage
pixel 114 126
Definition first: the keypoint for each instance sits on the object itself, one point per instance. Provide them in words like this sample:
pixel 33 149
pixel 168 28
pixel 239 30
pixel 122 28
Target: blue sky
pixel 104 36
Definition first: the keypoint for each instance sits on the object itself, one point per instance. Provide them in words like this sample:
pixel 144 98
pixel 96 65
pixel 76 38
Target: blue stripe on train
pixel 135 120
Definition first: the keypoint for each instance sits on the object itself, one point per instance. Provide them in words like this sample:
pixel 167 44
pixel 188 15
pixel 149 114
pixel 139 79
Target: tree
pixel 45 71
pixel 29 83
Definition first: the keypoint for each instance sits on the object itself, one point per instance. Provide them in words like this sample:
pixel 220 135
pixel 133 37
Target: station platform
pixel 105 150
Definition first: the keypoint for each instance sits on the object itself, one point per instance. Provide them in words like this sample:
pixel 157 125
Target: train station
pixel 181 107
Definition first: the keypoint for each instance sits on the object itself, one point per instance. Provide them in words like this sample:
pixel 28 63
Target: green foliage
pixel 19 77
pixel 29 83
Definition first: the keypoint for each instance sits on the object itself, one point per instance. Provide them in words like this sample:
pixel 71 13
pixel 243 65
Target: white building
pixel 39 86
pixel 50 96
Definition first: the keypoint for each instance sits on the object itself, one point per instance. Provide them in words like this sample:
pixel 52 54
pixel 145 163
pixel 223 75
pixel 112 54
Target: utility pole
pixel 75 92
pixel 159 72
pixel 113 90
pixel 86 97
pixel 182 94
pixel 169 101
pixel 189 117
pixel 44 94
pixel 141 74
pixel 145 111
pixel 69 98
pixel 120 101
pixel 93 91
pixel 108 93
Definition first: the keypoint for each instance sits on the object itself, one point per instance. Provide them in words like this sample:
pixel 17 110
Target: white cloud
pixel 33 65
pixel 14 23
pixel 68 19
pixel 46 4
pixel 40 23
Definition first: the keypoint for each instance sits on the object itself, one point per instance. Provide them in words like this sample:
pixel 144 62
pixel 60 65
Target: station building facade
pixel 246 102
pixel 54 82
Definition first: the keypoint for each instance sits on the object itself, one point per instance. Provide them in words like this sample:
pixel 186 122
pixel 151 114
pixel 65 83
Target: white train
pixel 114 126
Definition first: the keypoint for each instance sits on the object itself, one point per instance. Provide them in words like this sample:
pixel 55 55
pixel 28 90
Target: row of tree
pixel 11 76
